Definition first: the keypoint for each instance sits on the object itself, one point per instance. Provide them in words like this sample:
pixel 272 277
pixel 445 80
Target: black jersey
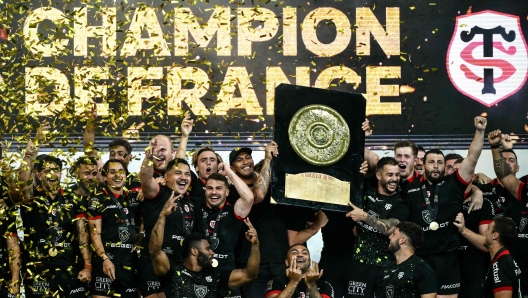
pixel 277 285
pixel 49 223
pixel 118 224
pixel 197 189
pixel 412 184
pixel 517 210
pixel 450 197
pixel 270 221
pixel 412 278
pixel 204 284
pixel 371 247
pixel 222 227
pixel 470 255
pixel 338 234
pixel 8 231
pixel 178 224
pixel 503 275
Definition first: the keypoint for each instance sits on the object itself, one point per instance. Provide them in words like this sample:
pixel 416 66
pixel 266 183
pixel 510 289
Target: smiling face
pixel 178 178
pixel 207 163
pixel 116 176
pixel 50 177
pixel 388 179
pixel 405 158
pixel 434 167
pixel 164 153
pixel 216 192
pixel 302 257
pixel 243 165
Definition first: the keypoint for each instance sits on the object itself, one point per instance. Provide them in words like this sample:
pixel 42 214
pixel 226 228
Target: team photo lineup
pixel 429 226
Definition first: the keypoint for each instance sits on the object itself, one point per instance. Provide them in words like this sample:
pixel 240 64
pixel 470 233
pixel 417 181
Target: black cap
pixel 233 155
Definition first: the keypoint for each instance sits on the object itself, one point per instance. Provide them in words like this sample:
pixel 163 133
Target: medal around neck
pixel 434 226
pixel 52 252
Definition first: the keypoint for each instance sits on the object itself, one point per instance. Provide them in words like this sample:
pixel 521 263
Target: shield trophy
pixel 321 148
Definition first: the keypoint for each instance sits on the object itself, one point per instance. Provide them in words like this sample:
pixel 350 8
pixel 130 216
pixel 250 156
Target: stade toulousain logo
pixel 487 58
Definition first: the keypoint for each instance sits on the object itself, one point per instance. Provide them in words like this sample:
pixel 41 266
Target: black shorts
pixel 125 283
pixel 364 280
pixel 336 269
pixel 447 270
pixel 149 282
pixel 48 278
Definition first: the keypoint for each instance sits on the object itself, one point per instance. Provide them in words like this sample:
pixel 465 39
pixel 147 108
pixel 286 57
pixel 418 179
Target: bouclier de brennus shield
pixel 487 58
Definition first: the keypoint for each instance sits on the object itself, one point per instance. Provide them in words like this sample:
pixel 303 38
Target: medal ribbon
pixel 212 237
pixel 433 210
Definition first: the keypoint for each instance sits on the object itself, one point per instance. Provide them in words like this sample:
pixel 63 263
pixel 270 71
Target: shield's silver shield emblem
pixel 124 234
pixel 200 291
pixel 389 290
pixel 427 216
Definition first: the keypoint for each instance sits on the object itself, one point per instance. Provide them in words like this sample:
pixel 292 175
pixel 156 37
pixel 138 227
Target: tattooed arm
pixel 84 246
pixel 383 226
pixel 502 169
pixel 260 189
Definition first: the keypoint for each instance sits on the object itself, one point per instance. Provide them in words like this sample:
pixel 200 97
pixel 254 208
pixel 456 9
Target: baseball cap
pixel 234 154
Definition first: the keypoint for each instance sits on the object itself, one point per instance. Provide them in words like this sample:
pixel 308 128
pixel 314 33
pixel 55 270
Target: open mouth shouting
pixel 181 185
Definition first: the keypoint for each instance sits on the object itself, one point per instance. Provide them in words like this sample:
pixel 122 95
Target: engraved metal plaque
pixel 321 148
pixel 319 135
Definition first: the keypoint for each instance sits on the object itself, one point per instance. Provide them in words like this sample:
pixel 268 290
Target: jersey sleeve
pixel 400 211
pixel 223 278
pixel 522 193
pixel 486 213
pixel 501 280
pixel 274 286
pixel 427 282
pixel 325 289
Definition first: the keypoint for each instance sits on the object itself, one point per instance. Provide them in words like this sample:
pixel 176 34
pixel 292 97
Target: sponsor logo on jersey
pixel 413 190
pixel 153 285
pixel 496 277
pixel 451 286
pixel 400 275
pixel 356 288
pixel 208 278
pixel 388 206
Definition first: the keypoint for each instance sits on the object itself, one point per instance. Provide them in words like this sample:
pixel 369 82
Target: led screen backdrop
pixel 425 68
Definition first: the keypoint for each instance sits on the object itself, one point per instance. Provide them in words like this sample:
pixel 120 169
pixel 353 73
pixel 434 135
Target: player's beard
pixel 203 260
pixel 394 247
pixel 429 176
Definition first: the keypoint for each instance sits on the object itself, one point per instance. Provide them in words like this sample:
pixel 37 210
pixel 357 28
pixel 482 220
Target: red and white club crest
pixel 212 223
pixel 186 207
pixel 487 58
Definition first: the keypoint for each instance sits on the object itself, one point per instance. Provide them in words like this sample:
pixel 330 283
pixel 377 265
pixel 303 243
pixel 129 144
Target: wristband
pixel 495 146
pixel 106 259
pixel 88 266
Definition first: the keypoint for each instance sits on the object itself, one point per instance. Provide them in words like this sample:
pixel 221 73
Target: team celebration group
pixel 428 225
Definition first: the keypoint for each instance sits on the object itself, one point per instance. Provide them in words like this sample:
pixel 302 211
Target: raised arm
pixel 242 205
pixel 502 169
pixel 302 236
pixel 186 128
pixel 467 168
pixel 383 226
pixel 89 132
pixel 240 277
pixel 149 185
pixel 260 189
pixel 160 261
